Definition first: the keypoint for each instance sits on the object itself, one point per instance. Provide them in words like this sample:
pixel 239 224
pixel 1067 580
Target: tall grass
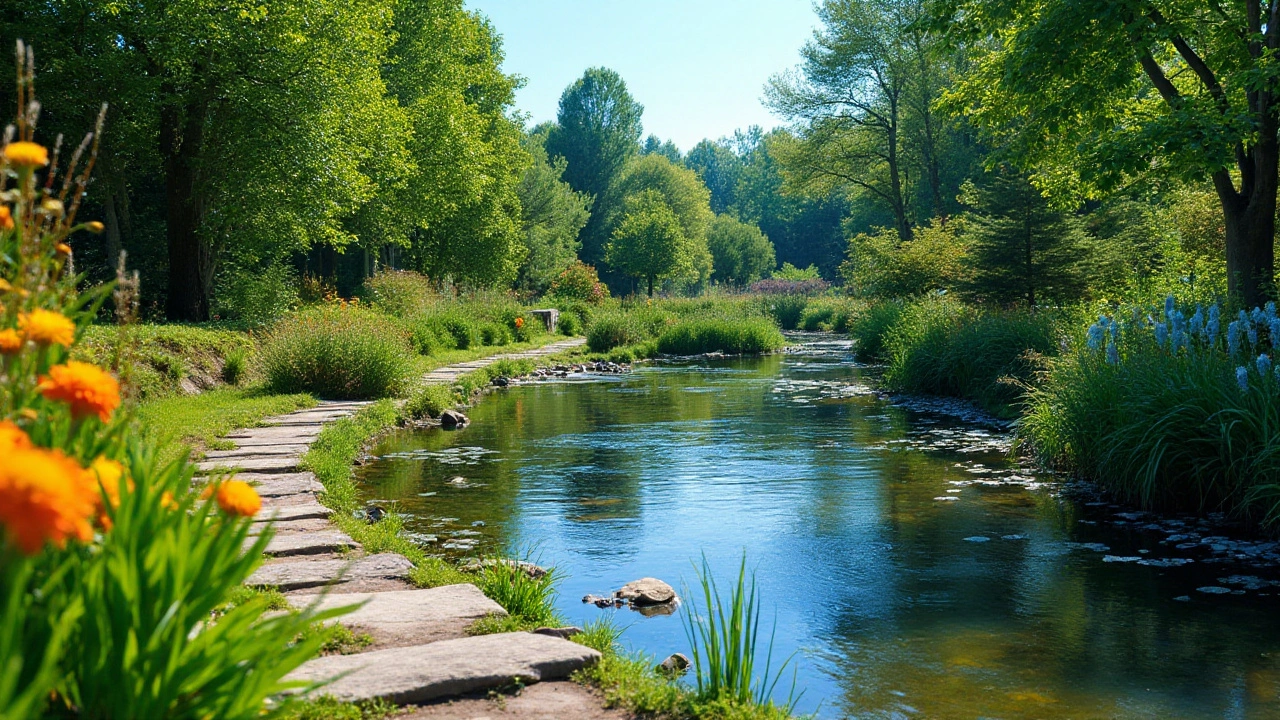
pixel 337 352
pixel 941 347
pixel 621 327
pixel 871 325
pixel 750 335
pixel 1193 428
pixel 725 640
pixel 529 600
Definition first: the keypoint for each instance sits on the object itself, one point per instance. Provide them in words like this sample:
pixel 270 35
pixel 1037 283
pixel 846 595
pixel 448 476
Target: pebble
pixel 978 539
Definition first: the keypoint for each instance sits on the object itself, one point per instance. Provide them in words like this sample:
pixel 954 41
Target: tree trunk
pixel 1250 223
pixel 1031 269
pixel 650 286
pixel 190 255
pixel 895 179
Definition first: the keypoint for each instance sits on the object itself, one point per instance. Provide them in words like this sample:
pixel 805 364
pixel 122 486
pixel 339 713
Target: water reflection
pixel 920 571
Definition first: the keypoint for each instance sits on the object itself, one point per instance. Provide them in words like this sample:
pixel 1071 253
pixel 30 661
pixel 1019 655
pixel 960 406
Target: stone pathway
pixel 420 651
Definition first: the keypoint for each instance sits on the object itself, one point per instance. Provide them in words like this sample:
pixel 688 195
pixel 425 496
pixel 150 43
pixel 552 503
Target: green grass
pixel 329 708
pixel 530 601
pixel 199 420
pixel 338 352
pixel 870 326
pixel 743 336
pixel 154 360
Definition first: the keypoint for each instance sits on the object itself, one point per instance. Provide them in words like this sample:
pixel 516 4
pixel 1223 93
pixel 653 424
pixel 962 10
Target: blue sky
pixel 698 66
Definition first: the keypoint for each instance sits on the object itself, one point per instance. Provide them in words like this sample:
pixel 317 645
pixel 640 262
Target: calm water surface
pixel 918 571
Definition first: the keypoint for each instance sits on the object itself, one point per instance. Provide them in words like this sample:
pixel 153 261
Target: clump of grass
pixel 750 335
pixel 528 599
pixel 338 352
pixel 329 708
pixel 1195 428
pixel 469 383
pixel 622 327
pixel 941 347
pixel 153 360
pixel 235 367
pixel 724 637
pixel 429 400
pixel 871 326
pixel 601 635
pixel 787 309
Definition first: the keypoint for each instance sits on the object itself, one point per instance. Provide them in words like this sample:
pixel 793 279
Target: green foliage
pixel 530 599
pixel 161 595
pixel 327 707
pixel 152 361
pixel 255 297
pixel 880 264
pixel 648 241
pixel 870 328
pixel 787 309
pixel 724 638
pixel 337 352
pixel 719 167
pixel 1023 249
pixel 400 293
pixel 235 366
pixel 740 252
pixel 597 131
pixel 941 347
pixel 552 215
pixel 829 315
pixel 495 334
pixel 619 328
pixel 793 273
pixel 737 336
pixel 601 635
pixel 1172 431
pixel 429 400
pixel 579 282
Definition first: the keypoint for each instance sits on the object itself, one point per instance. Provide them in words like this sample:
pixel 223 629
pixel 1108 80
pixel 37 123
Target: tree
pixel 740 252
pixel 1023 248
pixel 880 264
pixel 1091 95
pixel 719 167
pixel 552 214
pixel 863 74
pixel 653 145
pixel 681 191
pixel 597 131
pixel 648 241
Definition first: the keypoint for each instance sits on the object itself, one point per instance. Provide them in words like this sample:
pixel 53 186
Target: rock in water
pixel 646 591
pixel 453 419
pixel 674 665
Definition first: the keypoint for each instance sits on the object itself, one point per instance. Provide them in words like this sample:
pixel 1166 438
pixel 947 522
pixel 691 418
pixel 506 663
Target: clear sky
pixel 698 66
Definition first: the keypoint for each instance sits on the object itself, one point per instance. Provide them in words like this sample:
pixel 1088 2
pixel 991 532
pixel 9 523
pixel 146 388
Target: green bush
pixel 871 326
pixel 617 328
pixel 569 325
pixel 235 366
pixel 337 352
pixel 827 315
pixel 428 337
pixel 1195 429
pixel 463 330
pixel 787 309
pixel 429 401
pixel 738 337
pixel 942 347
pixel 255 297
pixel 401 293
pixel 495 334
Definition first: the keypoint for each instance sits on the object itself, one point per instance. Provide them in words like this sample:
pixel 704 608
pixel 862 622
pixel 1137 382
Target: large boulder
pixel 646 591
pixel 453 419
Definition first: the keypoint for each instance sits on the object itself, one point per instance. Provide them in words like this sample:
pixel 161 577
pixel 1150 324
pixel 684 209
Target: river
pixel 912 565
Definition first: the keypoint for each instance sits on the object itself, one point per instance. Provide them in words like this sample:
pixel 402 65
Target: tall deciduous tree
pixel 681 191
pixel 597 131
pixel 719 167
pixel 740 252
pixel 648 241
pixel 1091 94
pixel 552 214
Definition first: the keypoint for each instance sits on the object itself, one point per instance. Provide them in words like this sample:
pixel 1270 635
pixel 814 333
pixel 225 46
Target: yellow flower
pixel 47 327
pixel 45 497
pixel 12 437
pixel 88 389
pixel 10 341
pixel 5 286
pixel 167 502
pixel 95 227
pixel 26 154
pixel 63 249
pixel 237 498
pixel 109 474
pixel 6 218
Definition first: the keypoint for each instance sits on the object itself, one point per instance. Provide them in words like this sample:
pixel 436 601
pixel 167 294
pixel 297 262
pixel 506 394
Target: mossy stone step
pixel 302 574
pixel 421 673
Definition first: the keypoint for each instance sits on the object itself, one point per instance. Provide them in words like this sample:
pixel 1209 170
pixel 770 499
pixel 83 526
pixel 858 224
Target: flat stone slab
pixel 247 442
pixel 287 513
pixel 451 667
pixel 404 608
pixel 312 543
pixel 291 527
pixel 271 464
pixel 257 451
pixel 296 434
pixel 269 486
pixel 303 574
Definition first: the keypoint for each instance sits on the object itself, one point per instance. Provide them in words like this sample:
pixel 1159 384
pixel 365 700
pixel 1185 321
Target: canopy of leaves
pixel 740 252
pixel 552 214
pixel 648 241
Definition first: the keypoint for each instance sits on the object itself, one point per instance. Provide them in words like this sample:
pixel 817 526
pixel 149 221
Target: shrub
pixel 787 309
pixel 254 297
pixel 871 326
pixel 737 337
pixel 495 334
pixel 1171 414
pixel 579 282
pixel 942 347
pixel 617 328
pixel 827 315
pixel 429 401
pixel 428 337
pixel 461 328
pixel 338 352
pixel 400 292
pixel 569 324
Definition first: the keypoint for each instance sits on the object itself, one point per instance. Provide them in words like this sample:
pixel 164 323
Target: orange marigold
pixel 6 218
pixel 88 389
pixel 12 437
pixel 238 498
pixel 26 154
pixel 47 327
pixel 10 341
pixel 45 497
pixel 109 474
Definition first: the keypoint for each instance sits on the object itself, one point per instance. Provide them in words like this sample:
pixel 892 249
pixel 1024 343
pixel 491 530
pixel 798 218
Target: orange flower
pixel 88 389
pixel 109 473
pixel 237 498
pixel 12 437
pixel 10 341
pixel 26 154
pixel 6 218
pixel 519 323
pixel 63 249
pixel 45 497
pixel 47 327
pixel 167 502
